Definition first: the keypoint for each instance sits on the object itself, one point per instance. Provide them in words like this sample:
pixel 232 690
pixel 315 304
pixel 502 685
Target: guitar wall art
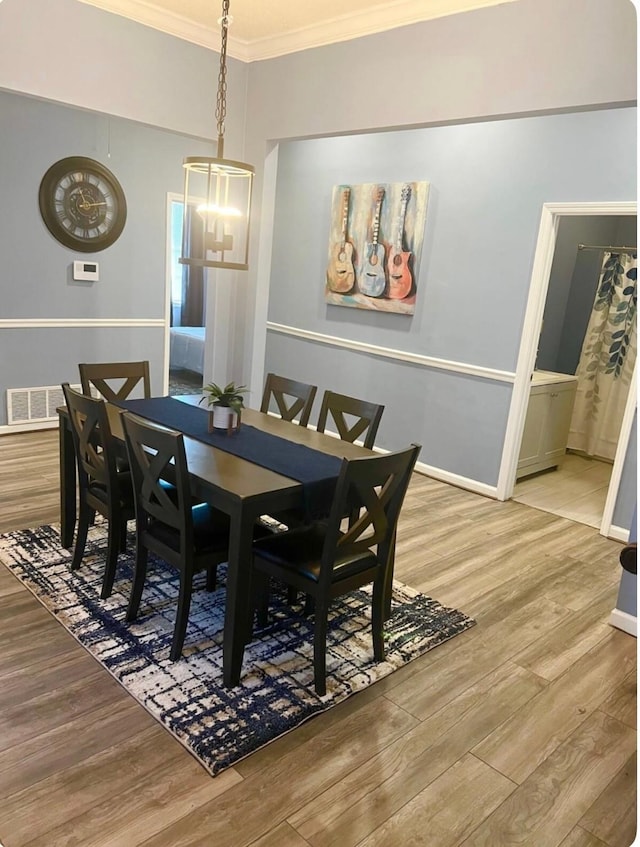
pixel 375 244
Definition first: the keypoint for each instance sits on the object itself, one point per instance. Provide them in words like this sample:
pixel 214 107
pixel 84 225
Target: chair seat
pixel 124 490
pixel 210 531
pixel 300 550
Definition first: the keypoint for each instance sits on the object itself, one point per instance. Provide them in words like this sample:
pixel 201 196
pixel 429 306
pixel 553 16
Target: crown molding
pixel 341 28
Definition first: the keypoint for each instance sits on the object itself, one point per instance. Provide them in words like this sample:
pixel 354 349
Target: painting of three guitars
pixel 375 244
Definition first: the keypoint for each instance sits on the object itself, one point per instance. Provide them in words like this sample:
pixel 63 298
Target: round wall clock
pixel 82 204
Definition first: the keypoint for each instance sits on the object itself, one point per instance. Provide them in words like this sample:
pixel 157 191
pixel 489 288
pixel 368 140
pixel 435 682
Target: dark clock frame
pixel 46 200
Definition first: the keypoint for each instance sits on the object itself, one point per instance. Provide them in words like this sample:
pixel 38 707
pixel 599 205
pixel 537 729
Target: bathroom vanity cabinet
pixel 546 429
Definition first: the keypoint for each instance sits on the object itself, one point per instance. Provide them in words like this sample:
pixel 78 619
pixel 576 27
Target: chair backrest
pixel 156 454
pixel 94 445
pixel 377 487
pixel 367 417
pixel 292 398
pixel 115 380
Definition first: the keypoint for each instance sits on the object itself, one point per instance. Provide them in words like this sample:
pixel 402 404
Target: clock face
pixel 82 204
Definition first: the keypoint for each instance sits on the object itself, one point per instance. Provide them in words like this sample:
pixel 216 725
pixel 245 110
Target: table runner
pixel 317 471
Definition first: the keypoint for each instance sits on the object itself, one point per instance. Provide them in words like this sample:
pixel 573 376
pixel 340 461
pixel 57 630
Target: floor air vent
pixel 34 405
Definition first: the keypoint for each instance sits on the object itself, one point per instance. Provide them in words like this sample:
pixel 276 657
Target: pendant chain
pixel 221 104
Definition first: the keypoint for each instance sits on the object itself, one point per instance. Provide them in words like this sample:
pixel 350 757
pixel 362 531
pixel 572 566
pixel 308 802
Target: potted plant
pixel 225 405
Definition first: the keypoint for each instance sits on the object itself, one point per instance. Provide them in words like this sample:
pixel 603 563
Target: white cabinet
pixel 546 429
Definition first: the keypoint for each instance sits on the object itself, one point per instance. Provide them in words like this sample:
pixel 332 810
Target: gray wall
pixel 488 182
pixel 515 59
pixel 35 274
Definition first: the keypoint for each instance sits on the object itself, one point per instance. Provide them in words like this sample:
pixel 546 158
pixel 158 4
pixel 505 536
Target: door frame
pixel 540 275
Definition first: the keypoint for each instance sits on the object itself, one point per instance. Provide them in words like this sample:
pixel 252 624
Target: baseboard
pixel 618 533
pixel 459 481
pixel 5 429
pixel 624 621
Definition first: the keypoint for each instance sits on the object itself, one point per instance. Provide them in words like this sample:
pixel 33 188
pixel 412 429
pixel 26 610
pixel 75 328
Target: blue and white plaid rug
pixel 218 726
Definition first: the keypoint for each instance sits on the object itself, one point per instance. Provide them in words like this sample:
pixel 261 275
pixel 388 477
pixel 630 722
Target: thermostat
pixel 86 271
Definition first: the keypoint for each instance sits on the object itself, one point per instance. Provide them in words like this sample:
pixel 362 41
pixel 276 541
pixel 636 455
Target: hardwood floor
pixel 576 490
pixel 520 731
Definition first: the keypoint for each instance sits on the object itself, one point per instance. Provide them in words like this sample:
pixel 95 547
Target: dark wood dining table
pixel 241 489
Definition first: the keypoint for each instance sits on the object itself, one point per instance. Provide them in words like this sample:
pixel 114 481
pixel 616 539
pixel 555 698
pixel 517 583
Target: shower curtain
pixel 607 359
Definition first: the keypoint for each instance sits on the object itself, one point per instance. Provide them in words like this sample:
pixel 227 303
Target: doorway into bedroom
pixel 186 312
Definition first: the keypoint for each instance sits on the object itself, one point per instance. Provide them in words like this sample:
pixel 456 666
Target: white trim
pixel 376 18
pixel 389 353
pixel 256 352
pixel 624 621
pixel 549 221
pixel 57 323
pixel 171 198
pixel 459 481
pixel 618 463
pixel 5 429
pixel 618 533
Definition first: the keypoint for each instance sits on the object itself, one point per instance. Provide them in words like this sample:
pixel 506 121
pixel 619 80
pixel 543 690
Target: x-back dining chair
pixel 325 562
pixel 189 536
pixel 291 397
pixel 353 418
pixel 102 486
pixel 115 380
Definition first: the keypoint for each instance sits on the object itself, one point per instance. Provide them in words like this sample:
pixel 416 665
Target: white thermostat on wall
pixel 87 271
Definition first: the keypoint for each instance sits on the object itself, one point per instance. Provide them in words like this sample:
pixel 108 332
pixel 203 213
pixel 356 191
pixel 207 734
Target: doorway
pixel 583 488
pixel 186 311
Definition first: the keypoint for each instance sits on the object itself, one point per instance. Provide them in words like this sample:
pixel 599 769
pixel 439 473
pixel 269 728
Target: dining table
pixel 243 489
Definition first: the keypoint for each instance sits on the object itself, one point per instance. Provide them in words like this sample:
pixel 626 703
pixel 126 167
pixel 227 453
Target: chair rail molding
pixel 58 323
pixel 390 353
pixel 540 275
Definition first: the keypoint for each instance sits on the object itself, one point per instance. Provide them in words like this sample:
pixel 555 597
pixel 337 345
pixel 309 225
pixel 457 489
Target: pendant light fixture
pixel 217 193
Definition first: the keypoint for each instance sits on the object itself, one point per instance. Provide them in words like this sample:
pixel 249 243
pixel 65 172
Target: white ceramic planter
pixel 224 417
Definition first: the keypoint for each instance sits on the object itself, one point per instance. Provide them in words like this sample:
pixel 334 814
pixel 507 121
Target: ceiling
pixel 262 29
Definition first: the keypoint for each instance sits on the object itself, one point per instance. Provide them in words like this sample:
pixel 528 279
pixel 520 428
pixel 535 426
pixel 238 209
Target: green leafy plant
pixel 230 395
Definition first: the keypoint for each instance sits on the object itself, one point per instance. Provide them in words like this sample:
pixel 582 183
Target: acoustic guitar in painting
pixel 340 272
pixel 373 281
pixel 398 263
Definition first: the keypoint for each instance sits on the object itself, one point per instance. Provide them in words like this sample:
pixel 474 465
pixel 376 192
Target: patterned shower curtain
pixel 607 359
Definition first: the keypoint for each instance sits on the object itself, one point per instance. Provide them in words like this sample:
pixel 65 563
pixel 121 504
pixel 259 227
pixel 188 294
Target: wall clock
pixel 82 204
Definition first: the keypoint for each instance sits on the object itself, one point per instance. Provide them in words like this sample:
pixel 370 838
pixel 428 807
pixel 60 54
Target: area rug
pixel 218 726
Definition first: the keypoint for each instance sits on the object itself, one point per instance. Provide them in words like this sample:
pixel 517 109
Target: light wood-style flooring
pixel 521 731
pixel 576 490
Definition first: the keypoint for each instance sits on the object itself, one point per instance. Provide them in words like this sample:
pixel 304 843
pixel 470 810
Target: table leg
pixel 238 600
pixel 67 483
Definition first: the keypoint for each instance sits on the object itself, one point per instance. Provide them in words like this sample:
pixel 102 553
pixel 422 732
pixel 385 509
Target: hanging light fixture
pixel 217 193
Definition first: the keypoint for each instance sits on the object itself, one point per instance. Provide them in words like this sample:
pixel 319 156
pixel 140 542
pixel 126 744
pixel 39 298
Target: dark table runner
pixel 317 471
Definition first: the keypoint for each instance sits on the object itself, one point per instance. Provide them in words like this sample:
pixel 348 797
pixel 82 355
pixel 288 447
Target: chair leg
pixel 122 545
pixel 261 584
pixel 292 595
pixel 113 549
pixel 81 537
pixel 182 615
pixel 388 578
pixel 212 577
pixel 309 605
pixel 320 648
pixel 139 576
pixel 378 612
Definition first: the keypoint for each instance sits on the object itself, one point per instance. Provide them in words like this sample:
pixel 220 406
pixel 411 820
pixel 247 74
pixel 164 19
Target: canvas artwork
pixel 375 244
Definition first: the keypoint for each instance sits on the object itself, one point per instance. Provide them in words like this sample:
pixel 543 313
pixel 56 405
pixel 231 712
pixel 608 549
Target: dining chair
pixel 292 398
pixel 189 537
pixel 115 380
pixel 353 418
pixel 101 486
pixel 326 562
